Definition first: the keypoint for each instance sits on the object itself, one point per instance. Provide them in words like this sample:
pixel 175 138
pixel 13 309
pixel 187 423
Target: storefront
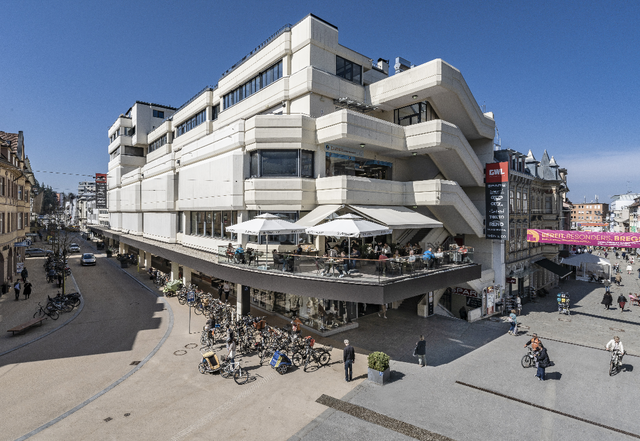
pixel 344 161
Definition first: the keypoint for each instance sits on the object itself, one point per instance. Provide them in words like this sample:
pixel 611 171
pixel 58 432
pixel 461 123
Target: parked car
pixel 74 248
pixel 88 259
pixel 35 252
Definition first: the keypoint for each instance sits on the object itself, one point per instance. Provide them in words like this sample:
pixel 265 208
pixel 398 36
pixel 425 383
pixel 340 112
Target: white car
pixel 88 259
pixel 74 248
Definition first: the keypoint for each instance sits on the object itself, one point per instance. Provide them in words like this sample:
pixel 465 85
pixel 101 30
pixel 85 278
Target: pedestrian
pixel 16 288
pixel 638 272
pixel 607 300
pixel 421 351
pixel 519 305
pixel 629 269
pixel 227 289
pixel 27 289
pixel 607 285
pixel 622 300
pixel 618 279
pixel 59 279
pixel 348 358
pixel 463 313
pixel 231 346
pixel 24 273
pixel 383 309
pixel 542 361
pixel 513 319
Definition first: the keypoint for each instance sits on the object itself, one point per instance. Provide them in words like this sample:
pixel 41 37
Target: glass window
pixel 415 113
pixel 306 164
pixel 217 224
pixel 158 114
pixel 342 165
pixel 194 222
pixel 279 163
pixel 348 70
pixel 209 223
pixel 263 79
pixel 133 151
pixel 255 164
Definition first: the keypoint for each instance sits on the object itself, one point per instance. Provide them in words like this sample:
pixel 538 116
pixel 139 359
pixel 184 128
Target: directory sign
pixel 101 190
pixel 497 201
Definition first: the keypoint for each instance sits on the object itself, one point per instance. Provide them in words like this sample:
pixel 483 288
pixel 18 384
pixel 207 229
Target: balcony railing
pixel 344 268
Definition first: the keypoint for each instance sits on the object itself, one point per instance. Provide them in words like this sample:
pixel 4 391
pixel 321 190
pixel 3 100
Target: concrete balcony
pixel 122 121
pixel 121 140
pixel 441 84
pixel 280 194
pixel 340 190
pixel 448 149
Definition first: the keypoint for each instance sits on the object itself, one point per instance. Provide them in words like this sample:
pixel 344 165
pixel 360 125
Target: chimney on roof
pixel 383 65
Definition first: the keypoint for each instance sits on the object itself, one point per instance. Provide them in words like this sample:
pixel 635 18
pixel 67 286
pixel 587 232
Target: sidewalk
pixel 14 313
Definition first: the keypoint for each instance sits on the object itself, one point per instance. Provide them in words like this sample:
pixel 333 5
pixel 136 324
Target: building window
pixel 348 70
pixel 260 81
pixel 343 165
pixel 548 206
pixel 414 114
pixel 281 163
pixel 192 123
pixel 215 110
pixel 212 223
pixel 114 154
pixel 511 206
pixel 19 220
pixel 158 114
pixel 133 151
pixel 518 201
pixel 2 223
pixel 20 192
pixel 525 206
pixel 2 187
pixel 155 145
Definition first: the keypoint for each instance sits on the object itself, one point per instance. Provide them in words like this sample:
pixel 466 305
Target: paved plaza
pixel 124 366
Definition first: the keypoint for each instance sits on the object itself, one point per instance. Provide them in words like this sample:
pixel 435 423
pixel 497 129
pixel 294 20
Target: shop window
pixel 343 165
pixel 281 163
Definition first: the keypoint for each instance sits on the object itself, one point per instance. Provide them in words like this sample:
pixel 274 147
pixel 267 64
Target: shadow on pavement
pixel 553 376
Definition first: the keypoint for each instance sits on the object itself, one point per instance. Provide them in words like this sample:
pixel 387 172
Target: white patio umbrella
pixel 266 224
pixel 349 225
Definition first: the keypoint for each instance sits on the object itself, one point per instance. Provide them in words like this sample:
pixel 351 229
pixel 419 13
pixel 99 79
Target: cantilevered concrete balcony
pixel 444 87
pixel 122 140
pixel 280 194
pixel 448 149
pixel 445 199
pixel 369 284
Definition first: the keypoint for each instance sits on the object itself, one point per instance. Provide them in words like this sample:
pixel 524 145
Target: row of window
pixel 281 163
pixel 262 80
pixel 191 123
pixel 518 203
pixel 126 131
pixel 14 221
pixel 211 223
pixel 11 189
pixel 155 145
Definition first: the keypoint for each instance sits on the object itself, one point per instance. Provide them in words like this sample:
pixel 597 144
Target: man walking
pixel 348 358
pixel 421 351
pixel 16 288
pixel 24 273
pixel 226 288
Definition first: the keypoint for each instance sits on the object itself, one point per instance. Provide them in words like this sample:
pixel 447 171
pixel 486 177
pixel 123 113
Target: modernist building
pixel 16 180
pixel 307 128
pixel 592 216
pixel 619 212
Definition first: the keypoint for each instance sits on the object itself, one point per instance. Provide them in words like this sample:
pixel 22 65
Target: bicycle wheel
pixel 201 368
pixel 198 309
pixel 54 315
pixel 182 300
pixel 325 358
pixel 225 372
pixel 526 361
pixel 241 376
pixel 68 307
pixel 297 359
pixel 306 364
pixel 612 368
pixel 39 313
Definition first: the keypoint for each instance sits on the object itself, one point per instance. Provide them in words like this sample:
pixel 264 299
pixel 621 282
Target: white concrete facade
pixel 434 166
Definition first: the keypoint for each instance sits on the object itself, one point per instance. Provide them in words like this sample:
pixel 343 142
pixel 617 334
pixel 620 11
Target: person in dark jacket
pixel 348 358
pixel 24 273
pixel 622 300
pixel 27 290
pixel 607 300
pixel 421 351
pixel 542 362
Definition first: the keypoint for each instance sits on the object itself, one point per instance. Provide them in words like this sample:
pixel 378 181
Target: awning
pixel 317 215
pixel 396 217
pixel 554 268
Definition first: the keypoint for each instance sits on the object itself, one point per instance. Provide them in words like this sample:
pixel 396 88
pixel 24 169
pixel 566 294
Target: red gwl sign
pixel 497 172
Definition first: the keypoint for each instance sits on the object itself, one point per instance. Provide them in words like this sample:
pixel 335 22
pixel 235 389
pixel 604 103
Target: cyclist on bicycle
pixel 616 345
pixel 534 342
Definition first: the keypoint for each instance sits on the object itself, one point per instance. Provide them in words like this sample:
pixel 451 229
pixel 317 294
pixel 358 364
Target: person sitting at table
pixel 239 255
pixel 355 254
pixel 381 266
pixel 396 255
pixel 412 256
pixel 298 250
pixel 428 257
pixel 344 264
pixel 278 260
pixel 386 250
pixel 438 257
pixel 230 251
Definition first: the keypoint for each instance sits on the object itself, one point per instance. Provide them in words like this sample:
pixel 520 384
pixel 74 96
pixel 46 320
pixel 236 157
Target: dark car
pixel 35 252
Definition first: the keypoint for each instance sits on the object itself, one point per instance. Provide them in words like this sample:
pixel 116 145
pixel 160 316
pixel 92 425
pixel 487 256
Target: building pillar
pixel 186 276
pixel 140 259
pixel 147 259
pixel 175 270
pixel 122 248
pixel 243 300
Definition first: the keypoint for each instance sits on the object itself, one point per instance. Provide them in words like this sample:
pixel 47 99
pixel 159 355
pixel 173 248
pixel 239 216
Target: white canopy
pixel 349 225
pixel 265 224
pixel 589 263
pixel 397 217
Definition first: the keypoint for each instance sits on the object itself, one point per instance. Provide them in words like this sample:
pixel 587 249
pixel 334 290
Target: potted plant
pixel 379 371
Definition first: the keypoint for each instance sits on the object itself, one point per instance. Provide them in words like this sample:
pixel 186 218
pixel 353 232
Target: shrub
pixel 378 361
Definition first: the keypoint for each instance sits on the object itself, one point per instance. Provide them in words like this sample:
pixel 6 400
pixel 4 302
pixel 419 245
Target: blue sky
pixel 560 76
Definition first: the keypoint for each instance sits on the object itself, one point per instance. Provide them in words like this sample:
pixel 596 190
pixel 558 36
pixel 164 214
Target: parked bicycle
pixel 48 311
pixel 240 376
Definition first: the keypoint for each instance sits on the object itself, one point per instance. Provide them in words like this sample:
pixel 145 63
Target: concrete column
pixel 122 248
pixel 147 259
pixel 243 300
pixel 186 276
pixel 175 269
pixel 141 259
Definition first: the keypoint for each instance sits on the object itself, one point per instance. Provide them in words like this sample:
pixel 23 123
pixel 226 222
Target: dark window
pixel 155 145
pixel 133 151
pixel 192 123
pixel 215 110
pixel 158 114
pixel 252 86
pixel 415 113
pixel 273 163
pixel 348 70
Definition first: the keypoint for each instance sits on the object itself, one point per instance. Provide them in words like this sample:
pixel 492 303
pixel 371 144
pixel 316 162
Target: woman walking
pixel 622 300
pixel 27 289
pixel 513 330
pixel 607 300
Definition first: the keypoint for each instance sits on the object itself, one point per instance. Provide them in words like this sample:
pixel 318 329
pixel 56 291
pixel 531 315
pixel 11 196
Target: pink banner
pixel 622 240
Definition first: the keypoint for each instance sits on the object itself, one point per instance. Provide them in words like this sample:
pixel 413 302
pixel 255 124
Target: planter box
pixel 379 377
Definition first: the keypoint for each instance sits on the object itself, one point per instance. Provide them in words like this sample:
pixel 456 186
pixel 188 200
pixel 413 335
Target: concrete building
pixel 592 216
pixel 16 180
pixel 619 211
pixel 307 128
